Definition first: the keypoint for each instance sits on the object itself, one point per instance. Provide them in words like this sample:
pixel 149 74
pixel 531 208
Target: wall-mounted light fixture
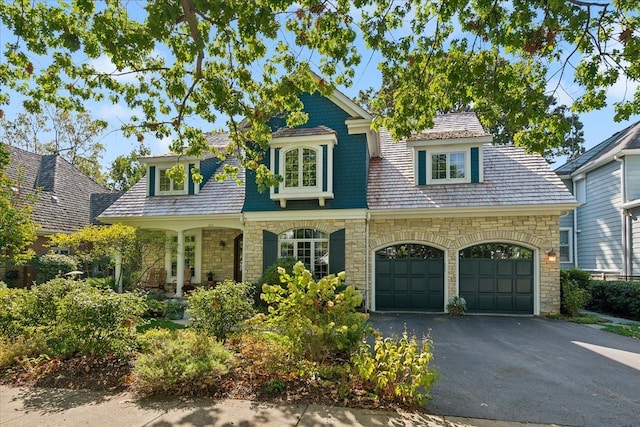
pixel 222 244
pixel 552 255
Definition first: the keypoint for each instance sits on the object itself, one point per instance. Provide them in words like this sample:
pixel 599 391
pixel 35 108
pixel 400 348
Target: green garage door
pixel 497 278
pixel 410 277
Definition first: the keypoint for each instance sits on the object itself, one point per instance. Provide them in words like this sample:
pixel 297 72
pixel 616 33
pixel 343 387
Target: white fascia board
pixel 305 215
pixel 450 141
pixel 588 167
pixel 630 204
pixel 493 211
pixel 628 152
pixel 360 126
pixel 158 160
pixel 291 141
pixel 348 106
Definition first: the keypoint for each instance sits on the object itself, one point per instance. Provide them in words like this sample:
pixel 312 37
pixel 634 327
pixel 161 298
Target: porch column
pixel 118 271
pixel 180 264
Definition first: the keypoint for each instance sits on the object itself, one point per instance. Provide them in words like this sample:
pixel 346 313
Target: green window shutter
pixel 152 180
pixel 269 248
pixel 276 162
pixel 325 167
pixel 475 164
pixel 190 179
pixel 336 252
pixel 422 167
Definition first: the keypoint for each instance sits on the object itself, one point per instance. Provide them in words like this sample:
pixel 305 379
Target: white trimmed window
pixel 301 168
pixel 449 167
pixel 308 245
pixel 192 255
pixel 166 185
pixel 566 247
pixel 305 164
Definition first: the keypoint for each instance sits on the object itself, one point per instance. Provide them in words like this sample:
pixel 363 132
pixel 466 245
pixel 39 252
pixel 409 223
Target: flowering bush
pixel 320 321
pixel 457 306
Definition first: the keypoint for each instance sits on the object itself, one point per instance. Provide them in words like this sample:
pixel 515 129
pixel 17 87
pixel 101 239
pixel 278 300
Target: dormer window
pixel 449 167
pixel 168 185
pixel 300 168
pixel 304 159
pixel 160 184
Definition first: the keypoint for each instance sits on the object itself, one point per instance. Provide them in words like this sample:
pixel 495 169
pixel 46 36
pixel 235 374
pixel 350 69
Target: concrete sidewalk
pixel 54 407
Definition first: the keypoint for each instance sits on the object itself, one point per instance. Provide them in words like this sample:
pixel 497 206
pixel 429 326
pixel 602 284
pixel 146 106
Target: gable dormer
pixel 304 159
pixel 451 152
pixel 160 184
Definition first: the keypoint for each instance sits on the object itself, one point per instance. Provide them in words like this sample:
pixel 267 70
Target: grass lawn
pixel 628 330
pixel 159 323
pixel 585 319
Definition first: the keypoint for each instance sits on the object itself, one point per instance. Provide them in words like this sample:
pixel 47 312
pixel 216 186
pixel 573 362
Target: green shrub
pixel 580 277
pixel 320 322
pixel 616 297
pixel 96 322
pixel 220 311
pixel 74 318
pixel 398 369
pixel 574 298
pixel 154 309
pixel 179 362
pixel 50 266
pixel 17 313
pixel 271 276
pixel 20 347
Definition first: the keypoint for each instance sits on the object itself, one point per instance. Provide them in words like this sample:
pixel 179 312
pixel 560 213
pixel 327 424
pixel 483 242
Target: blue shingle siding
pixel 475 164
pixel 208 167
pixel 152 180
pixel 599 222
pixel 349 163
pixel 422 167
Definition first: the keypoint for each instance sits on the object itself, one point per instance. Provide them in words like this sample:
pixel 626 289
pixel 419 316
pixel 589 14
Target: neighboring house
pixel 412 223
pixel 602 235
pixel 63 202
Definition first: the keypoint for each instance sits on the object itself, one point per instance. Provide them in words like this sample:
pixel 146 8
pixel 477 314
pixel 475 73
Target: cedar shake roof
pixel 225 197
pixel 626 139
pixel 511 178
pixel 288 132
pixel 451 126
pixel 64 200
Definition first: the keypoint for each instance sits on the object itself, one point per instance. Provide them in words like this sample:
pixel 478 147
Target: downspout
pixel 626 253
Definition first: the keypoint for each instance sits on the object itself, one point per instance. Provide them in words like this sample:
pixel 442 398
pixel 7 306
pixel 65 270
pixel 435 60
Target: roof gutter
pixel 555 209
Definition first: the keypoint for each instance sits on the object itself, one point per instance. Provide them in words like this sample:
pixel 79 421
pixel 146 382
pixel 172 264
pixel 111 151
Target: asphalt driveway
pixel 528 369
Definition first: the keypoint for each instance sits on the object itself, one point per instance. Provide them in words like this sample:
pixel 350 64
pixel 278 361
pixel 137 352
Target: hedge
pixel 615 297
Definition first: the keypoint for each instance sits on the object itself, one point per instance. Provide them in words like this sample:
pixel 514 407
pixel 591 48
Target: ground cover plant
pixel 627 330
pixel 309 346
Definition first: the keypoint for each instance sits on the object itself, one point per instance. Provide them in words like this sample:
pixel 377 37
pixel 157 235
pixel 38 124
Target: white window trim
pixel 314 142
pixel 313 240
pixel 198 256
pixel 448 151
pixel 164 166
pixel 569 231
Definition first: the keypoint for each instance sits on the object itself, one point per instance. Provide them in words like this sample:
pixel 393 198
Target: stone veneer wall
pixel 452 234
pixel 219 260
pixel 355 253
